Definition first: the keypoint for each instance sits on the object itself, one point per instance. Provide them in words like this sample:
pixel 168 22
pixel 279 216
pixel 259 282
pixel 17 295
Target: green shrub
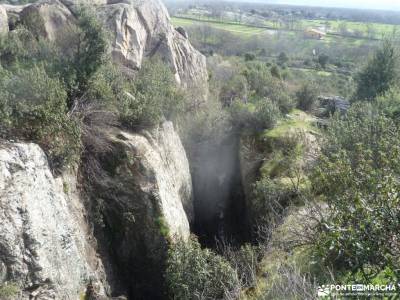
pixel 108 87
pixel 262 84
pixel 263 114
pixel 390 103
pixel 380 73
pixel 275 72
pixel 307 97
pixel 195 273
pixel 249 56
pixel 91 48
pixel 33 107
pixel 258 77
pixel 323 60
pixel 277 93
pixel 282 59
pixel 267 114
pixel 357 175
pixel 270 200
pixel 210 122
pixel 154 98
pixel 9 291
pixel 234 89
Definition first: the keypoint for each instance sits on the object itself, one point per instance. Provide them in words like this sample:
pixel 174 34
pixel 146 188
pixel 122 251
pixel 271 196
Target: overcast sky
pixel 363 4
pixel 371 4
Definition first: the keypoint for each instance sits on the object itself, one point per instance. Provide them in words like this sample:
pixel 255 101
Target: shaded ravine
pixel 219 202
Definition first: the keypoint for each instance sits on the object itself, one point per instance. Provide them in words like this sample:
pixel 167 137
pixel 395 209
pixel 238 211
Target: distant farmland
pixel 241 29
pixel 356 30
pixel 247 30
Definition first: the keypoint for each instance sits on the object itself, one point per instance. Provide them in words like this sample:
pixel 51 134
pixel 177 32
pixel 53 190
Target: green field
pixel 377 29
pixel 248 30
pixel 239 29
pixel 354 30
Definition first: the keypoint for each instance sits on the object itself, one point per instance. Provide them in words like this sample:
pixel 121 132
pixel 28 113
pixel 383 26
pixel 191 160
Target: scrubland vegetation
pixel 324 206
pixel 53 99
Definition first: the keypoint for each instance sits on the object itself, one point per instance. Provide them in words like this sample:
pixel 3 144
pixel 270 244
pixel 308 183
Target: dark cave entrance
pixel 219 200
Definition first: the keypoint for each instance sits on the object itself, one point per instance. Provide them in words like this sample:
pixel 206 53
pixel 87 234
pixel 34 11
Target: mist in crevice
pixel 220 211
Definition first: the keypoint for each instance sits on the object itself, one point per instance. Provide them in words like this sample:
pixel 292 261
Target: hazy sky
pixel 376 4
pixel 369 4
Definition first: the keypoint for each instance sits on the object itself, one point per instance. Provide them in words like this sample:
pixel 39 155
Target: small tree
pixel 323 60
pixel 249 57
pixel 307 97
pixel 275 72
pixel 89 44
pixel 379 74
pixel 282 59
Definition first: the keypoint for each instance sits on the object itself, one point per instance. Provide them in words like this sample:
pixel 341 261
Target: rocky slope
pixel 44 243
pixel 141 196
pixel 139 201
pixel 105 228
pixel 138 30
pixel 3 21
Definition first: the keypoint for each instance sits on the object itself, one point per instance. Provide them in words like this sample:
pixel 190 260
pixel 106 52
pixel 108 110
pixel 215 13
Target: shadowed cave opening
pixel 219 200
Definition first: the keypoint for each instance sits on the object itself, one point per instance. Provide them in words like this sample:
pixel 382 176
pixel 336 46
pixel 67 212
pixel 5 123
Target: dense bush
pixel 196 273
pixel 33 107
pixel 262 84
pixel 258 77
pixel 277 93
pixel 20 47
pixel 380 73
pixel 307 97
pixel 263 114
pixel 108 87
pixel 90 48
pixel 209 123
pixel 46 86
pixel 282 58
pixel 275 72
pixel 155 96
pixel 270 200
pixel 236 88
pixel 357 176
pixel 389 103
pixel 43 82
pixel 9 291
pixel 244 260
pixel 323 60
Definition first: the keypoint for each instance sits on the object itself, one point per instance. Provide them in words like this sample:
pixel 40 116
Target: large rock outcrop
pixel 142 29
pixel 138 30
pixel 141 201
pixel 137 195
pixel 44 245
pixel 3 20
pixel 48 18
